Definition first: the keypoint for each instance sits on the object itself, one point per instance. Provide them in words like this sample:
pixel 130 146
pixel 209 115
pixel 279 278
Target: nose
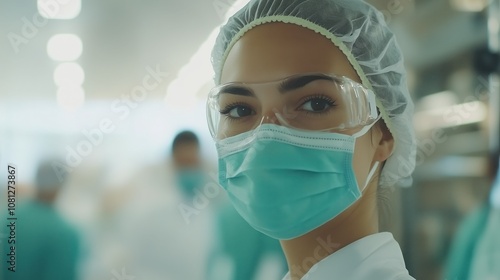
pixel 270 118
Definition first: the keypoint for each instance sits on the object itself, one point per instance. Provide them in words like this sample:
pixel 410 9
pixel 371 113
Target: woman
pixel 312 118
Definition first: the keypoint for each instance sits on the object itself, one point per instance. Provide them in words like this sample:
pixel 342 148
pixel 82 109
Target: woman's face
pixel 277 50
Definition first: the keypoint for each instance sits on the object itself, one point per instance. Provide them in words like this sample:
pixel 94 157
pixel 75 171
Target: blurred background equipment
pixel 476 248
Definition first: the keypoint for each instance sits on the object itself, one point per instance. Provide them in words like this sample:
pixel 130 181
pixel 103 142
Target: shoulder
pixel 374 257
pixel 382 270
pixel 385 261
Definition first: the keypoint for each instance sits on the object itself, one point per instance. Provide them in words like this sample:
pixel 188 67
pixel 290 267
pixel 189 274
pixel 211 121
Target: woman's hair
pixel 383 194
pixel 183 138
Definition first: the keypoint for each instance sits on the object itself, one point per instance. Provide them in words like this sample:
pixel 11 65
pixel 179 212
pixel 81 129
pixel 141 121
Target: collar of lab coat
pixel 377 256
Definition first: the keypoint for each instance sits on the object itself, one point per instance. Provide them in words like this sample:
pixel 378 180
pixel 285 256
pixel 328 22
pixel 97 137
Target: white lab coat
pixel 163 245
pixel 374 257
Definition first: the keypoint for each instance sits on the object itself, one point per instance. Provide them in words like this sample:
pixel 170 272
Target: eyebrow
pixel 286 86
pixel 298 82
pixel 237 90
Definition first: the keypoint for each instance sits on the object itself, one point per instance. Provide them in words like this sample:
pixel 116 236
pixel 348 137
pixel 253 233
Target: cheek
pixel 362 158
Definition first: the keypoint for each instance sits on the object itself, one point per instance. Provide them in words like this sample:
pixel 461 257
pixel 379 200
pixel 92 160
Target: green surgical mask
pixel 286 182
pixel 190 180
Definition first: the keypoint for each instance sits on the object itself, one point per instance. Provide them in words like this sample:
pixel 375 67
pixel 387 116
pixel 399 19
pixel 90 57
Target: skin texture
pixel 187 155
pixel 276 50
pixel 48 197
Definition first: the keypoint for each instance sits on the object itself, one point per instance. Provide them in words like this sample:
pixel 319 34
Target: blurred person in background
pixel 165 224
pixel 47 246
pixel 475 253
pixel 240 252
pixel 188 170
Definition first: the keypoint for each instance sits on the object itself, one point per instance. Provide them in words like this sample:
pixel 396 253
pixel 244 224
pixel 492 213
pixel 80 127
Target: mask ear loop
pixel 360 133
pixel 370 175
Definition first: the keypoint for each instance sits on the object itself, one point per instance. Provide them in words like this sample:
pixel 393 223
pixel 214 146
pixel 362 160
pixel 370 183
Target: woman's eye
pixel 316 105
pixel 239 112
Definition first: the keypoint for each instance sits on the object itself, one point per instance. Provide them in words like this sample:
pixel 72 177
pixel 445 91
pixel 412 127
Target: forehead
pixel 186 149
pixel 276 50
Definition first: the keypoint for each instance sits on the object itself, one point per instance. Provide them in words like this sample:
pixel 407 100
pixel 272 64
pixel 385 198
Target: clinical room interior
pixel 116 93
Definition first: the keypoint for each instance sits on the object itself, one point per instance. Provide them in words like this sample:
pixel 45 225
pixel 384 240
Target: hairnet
pixel 360 32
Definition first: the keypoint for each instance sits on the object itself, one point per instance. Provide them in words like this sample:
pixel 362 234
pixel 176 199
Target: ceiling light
pixel 64 47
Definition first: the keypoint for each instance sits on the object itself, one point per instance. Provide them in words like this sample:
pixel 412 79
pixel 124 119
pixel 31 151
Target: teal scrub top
pixel 245 246
pixel 46 247
pixel 461 254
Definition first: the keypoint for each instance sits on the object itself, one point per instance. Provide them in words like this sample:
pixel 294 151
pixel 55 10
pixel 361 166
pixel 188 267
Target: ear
pixel 385 144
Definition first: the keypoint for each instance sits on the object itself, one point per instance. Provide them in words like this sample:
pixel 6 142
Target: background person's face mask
pixel 190 180
pixel 286 182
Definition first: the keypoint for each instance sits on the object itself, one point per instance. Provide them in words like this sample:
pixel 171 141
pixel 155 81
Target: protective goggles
pixel 310 101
